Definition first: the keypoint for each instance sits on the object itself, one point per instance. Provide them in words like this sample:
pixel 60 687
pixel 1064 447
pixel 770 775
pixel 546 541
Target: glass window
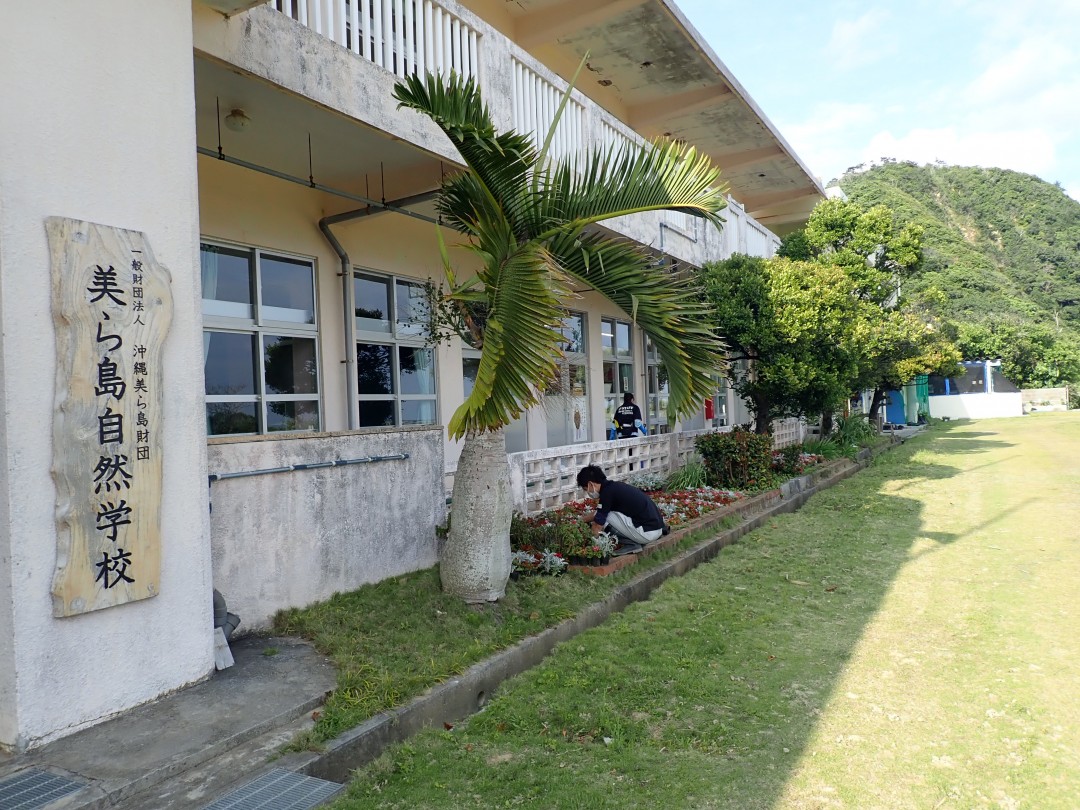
pixel 288 289
pixel 417 369
pixel 372 303
pixel 573 329
pixel 618 368
pixel 395 368
pixel 229 363
pixel 376 414
pixel 566 402
pixel 225 418
pixel 470 367
pixel 413 309
pixel 228 278
pixel 260 347
pixel 289 364
pixel 656 412
pixel 622 339
pixel 374 371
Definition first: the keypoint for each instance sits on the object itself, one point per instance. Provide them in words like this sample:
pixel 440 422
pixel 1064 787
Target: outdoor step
pixel 274 682
pixel 219 776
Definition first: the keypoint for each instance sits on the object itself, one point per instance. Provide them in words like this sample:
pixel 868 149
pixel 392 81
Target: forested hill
pixel 1001 245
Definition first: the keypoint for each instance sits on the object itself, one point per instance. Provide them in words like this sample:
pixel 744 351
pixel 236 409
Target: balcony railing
pixel 536 100
pixel 404 36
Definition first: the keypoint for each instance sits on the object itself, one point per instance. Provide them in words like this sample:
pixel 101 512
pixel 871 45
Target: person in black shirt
pixel 625 511
pixel 627 417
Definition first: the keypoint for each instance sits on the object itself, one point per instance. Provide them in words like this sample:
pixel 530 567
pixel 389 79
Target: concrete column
pixel 99 125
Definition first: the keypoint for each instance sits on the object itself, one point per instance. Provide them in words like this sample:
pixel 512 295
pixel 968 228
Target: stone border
pixel 466 694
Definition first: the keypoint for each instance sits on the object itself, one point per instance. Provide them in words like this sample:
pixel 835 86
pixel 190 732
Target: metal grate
pixel 278 790
pixel 31 789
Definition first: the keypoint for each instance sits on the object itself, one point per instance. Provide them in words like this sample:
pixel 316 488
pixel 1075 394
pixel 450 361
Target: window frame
pixel 613 359
pixel 396 338
pixel 259 327
pixel 571 360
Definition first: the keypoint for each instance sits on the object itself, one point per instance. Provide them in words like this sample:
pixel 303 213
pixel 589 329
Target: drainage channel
pixel 278 790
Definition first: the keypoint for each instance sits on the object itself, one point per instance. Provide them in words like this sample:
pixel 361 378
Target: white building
pixel 259 152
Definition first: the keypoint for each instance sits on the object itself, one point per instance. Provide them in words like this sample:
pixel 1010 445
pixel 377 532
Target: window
pixel 618 363
pixel 656 412
pixel 395 368
pixel 260 354
pixel 566 401
pixel 719 411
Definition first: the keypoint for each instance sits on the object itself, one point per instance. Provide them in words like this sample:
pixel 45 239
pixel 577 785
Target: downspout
pixel 348 289
pixel 348 301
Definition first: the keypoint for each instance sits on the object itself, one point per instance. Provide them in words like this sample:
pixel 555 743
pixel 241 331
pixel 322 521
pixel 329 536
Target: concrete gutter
pixel 465 695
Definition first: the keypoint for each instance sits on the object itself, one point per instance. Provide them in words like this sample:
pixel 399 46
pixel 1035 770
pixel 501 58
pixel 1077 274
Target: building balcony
pixel 316 77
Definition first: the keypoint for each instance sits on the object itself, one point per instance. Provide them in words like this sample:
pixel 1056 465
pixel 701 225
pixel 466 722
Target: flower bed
pixel 546 543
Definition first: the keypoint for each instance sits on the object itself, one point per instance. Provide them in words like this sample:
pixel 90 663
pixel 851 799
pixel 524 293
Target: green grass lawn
pixel 909 639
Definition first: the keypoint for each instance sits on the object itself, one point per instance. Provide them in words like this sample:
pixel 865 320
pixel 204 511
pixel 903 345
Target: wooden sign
pixel 112 306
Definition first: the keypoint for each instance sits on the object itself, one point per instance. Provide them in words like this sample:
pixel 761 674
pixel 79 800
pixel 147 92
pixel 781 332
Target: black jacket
pixel 615 496
pixel 624 419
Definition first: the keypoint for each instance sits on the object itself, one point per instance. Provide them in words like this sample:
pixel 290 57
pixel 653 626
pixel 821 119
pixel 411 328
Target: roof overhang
pixel 648 64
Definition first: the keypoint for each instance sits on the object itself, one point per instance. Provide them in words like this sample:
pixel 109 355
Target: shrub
pixel 737 460
pixel 786 460
pixel 691 476
pixel 854 429
pixel 825 448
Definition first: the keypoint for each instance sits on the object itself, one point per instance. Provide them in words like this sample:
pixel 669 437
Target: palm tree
pixel 528 219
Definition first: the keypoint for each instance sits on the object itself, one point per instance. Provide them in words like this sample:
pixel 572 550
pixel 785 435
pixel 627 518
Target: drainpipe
pixel 348 302
pixel 348 290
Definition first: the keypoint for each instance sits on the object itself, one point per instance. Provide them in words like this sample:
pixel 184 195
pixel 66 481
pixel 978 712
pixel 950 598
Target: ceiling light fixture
pixel 237 120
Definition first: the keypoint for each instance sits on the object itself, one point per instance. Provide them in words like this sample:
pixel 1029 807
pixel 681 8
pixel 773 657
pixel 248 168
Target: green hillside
pixel 1003 247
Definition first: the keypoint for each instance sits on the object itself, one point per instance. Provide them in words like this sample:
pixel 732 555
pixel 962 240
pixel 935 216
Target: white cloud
pixel 1030 150
pixel 857 42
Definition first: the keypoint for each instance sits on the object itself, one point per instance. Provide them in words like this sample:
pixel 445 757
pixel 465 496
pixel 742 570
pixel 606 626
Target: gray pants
pixel 621 524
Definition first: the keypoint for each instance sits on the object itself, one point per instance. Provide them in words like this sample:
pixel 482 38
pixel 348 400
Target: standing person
pixel 625 511
pixel 627 419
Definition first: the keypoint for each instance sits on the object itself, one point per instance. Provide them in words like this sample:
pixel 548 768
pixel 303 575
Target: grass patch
pixel 395 639
pixel 905 640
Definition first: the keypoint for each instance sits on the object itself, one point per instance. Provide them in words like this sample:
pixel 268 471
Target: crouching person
pixel 625 511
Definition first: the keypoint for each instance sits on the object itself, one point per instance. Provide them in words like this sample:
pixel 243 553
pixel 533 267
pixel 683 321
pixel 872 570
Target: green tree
pixel 795 324
pixel 897 340
pixel 528 220
pixel 1031 356
pixel 896 345
pixel 877 252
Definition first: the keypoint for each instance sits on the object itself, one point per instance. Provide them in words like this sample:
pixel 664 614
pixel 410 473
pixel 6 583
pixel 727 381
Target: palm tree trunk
pixel 475 562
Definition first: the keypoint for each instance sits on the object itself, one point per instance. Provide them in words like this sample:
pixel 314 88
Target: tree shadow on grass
pixel 707 694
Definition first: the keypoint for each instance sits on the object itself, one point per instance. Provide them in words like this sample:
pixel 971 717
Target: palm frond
pixel 669 309
pixel 501 162
pixel 521 340
pixel 665 175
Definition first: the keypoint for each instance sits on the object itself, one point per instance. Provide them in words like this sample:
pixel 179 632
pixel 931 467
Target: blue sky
pixel 969 82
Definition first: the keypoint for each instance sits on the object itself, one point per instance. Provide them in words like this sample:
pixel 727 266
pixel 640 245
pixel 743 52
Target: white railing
pixel 759 242
pixel 535 101
pixel 546 479
pixel 611 137
pixel 403 36
pixel 787 432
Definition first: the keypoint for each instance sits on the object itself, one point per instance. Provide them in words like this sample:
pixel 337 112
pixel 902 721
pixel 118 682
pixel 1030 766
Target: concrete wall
pixel 289 539
pixel 976 406
pixel 1045 399
pixel 98 124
